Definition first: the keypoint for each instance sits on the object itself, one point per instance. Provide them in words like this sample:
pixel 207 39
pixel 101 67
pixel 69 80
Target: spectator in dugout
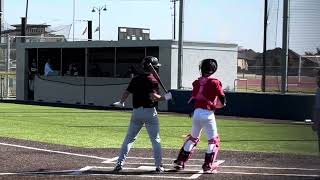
pixel 73 70
pixel 48 71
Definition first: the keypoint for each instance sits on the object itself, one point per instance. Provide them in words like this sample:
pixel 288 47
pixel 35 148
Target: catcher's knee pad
pixel 215 140
pixel 190 143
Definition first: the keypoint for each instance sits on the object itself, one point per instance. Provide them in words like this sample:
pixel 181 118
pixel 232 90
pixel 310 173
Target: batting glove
pixel 168 96
pixel 118 104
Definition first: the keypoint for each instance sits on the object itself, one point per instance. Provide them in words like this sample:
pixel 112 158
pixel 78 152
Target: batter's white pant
pixel 141 116
pixel 202 119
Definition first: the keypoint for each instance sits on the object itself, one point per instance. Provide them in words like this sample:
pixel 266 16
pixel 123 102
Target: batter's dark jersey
pixel 141 86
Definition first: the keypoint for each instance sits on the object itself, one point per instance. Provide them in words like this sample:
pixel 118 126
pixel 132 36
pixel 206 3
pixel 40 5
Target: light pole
pixel 104 8
pixel 174 18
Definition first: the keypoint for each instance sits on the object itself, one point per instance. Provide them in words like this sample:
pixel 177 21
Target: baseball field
pixel 43 135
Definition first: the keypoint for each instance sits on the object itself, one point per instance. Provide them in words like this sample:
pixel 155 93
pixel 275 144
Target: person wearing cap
pixel 145 94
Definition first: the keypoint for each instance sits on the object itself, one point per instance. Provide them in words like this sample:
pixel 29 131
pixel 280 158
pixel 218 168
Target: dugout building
pixel 97 72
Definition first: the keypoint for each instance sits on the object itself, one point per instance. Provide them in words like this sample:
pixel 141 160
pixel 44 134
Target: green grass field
pixel 106 129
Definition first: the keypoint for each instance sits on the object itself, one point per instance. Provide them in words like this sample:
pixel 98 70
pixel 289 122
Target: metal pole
pixel 27 5
pixel 99 24
pixel 5 89
pixel 115 63
pixel 74 14
pixel 284 58
pixel 85 75
pixel 263 82
pixel 1 11
pixel 174 19
pixel 180 44
pixel 299 70
pixel 1 96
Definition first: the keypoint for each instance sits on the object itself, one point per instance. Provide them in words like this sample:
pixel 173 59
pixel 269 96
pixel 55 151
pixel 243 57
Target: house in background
pixel 247 59
pixel 297 64
pixel 41 30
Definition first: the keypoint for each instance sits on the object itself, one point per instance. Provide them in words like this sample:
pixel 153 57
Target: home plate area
pixel 144 167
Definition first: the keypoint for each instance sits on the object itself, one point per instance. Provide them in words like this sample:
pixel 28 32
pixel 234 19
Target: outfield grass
pixel 106 129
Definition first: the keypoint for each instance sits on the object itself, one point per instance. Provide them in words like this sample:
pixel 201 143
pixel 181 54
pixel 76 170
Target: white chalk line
pixel 110 160
pixel 146 168
pixel 53 151
pixel 240 167
pixel 200 172
pixel 269 174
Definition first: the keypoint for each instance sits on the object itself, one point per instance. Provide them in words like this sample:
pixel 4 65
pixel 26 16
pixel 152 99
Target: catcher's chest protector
pixel 203 83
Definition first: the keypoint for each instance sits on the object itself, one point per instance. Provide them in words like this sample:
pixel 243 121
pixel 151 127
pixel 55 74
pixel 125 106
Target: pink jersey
pixel 205 92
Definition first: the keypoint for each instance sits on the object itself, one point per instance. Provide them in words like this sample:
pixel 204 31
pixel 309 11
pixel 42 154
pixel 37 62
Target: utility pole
pixel 1 11
pixel 263 82
pixel 284 55
pixel 74 14
pixel 27 5
pixel 174 18
pixel 180 44
pixel 24 28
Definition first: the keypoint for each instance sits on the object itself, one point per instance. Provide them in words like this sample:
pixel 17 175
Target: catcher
pixel 208 95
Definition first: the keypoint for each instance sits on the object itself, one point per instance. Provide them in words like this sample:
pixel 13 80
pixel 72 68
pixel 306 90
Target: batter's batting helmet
pixel 208 66
pixel 150 60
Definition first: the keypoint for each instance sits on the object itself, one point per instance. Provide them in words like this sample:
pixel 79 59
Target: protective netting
pixel 303 49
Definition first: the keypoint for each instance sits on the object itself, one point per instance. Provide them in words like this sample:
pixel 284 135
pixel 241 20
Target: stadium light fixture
pixel 104 8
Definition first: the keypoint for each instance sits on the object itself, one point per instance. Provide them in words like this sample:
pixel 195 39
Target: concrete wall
pixel 193 53
pixel 71 90
pixel 165 72
pixel 21 73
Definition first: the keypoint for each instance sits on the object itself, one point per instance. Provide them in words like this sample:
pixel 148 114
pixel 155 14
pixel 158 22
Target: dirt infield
pixel 21 159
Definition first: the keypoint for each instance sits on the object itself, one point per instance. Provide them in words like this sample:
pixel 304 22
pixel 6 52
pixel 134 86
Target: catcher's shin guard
pixel 210 157
pixel 181 159
pixel 184 155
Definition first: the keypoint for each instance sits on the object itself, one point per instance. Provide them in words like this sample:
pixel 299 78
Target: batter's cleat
pixel 160 169
pixel 118 168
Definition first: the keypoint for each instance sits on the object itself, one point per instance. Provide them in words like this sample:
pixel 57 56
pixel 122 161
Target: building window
pixel 73 61
pixel 101 62
pixel 128 60
pixel 54 54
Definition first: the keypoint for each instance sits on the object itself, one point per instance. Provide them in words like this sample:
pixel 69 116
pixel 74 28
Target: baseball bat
pixel 155 74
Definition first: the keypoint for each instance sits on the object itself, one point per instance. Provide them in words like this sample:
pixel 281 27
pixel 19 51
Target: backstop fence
pixel 8 61
pixel 303 50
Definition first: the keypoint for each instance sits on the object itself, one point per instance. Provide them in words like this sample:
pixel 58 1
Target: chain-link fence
pixel 303 50
pixel 8 61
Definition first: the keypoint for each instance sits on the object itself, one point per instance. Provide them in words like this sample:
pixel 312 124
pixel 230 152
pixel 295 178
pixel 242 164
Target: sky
pixel 221 21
